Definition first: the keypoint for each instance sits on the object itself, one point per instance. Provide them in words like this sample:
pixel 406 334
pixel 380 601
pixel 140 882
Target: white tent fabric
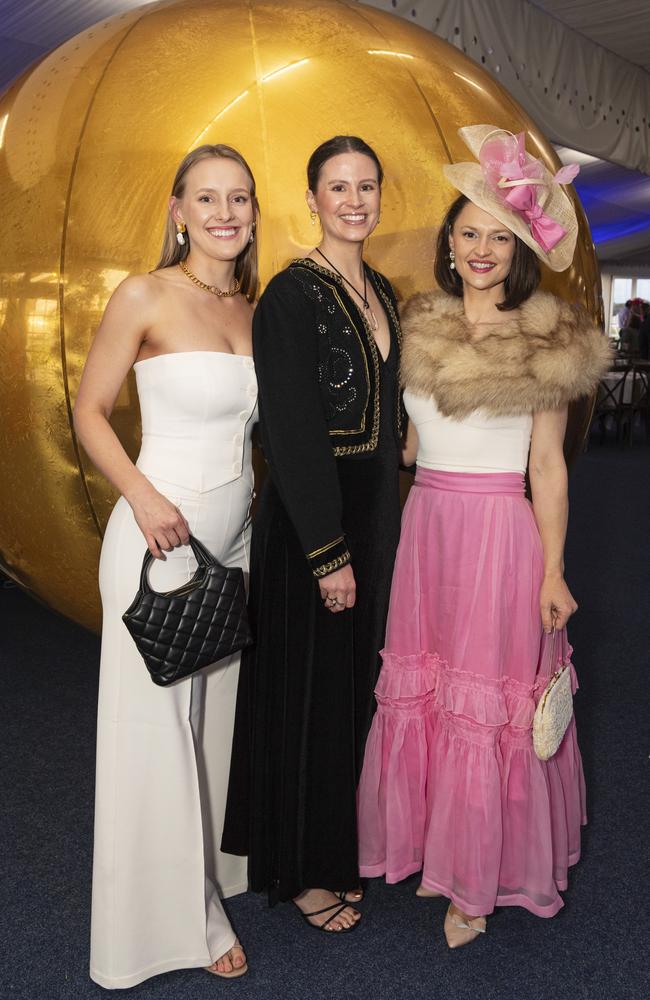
pixel 580 94
pixel 622 26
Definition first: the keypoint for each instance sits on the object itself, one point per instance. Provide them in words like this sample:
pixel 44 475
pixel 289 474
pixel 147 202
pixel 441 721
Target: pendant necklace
pixel 367 309
pixel 209 288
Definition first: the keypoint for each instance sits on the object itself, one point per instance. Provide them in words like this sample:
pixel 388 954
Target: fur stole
pixel 540 357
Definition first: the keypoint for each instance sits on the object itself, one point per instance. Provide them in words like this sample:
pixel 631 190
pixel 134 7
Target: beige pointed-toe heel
pixel 461 929
pixel 427 893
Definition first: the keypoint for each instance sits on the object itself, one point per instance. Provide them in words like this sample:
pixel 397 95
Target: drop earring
pixel 251 238
pixel 452 260
pixel 180 229
pixel 313 216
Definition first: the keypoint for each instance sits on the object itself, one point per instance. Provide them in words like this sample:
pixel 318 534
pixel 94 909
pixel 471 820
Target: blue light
pixel 609 220
pixel 617 230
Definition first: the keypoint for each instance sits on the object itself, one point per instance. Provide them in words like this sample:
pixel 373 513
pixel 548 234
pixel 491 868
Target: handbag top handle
pixel 203 558
pixel 551 647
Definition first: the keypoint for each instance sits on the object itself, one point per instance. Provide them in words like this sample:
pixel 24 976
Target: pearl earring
pixel 180 229
pixel 313 216
pixel 452 259
pixel 251 238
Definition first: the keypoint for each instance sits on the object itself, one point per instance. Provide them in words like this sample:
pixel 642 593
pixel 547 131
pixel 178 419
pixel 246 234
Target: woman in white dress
pixel 163 754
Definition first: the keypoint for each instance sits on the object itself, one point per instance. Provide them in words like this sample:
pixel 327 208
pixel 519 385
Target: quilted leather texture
pixel 181 631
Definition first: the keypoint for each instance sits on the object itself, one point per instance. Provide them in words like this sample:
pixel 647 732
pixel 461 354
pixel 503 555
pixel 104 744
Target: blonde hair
pixel 246 268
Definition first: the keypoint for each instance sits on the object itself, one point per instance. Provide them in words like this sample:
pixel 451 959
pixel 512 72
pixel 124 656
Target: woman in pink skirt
pixel 451 784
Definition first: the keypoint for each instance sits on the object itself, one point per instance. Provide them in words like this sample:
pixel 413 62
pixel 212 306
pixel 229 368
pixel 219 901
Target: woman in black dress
pixel 326 345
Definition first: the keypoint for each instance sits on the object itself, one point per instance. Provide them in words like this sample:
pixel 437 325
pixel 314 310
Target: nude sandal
pixel 234 973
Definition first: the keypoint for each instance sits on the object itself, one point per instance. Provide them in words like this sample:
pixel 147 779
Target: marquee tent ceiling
pixel 617 200
pixel 622 26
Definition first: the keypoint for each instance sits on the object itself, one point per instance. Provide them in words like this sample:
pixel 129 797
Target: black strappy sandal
pixel 327 909
pixel 343 894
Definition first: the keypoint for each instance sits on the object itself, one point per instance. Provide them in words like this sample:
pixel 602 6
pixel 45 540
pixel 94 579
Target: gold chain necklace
pixel 209 288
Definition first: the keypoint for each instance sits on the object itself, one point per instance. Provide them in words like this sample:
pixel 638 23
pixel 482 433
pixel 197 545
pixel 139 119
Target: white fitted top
pixel 477 443
pixel 198 410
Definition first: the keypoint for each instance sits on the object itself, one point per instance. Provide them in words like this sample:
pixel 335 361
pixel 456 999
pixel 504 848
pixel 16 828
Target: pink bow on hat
pixel 506 165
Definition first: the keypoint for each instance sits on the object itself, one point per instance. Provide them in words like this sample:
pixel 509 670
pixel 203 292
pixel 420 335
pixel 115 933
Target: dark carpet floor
pixel 596 947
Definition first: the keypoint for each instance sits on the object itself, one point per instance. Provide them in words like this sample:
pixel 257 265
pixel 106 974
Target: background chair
pixel 611 401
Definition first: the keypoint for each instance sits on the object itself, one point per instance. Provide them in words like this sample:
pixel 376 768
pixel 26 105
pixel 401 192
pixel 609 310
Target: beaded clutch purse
pixel 554 709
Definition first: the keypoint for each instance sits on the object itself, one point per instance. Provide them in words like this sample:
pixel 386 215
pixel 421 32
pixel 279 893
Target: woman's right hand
pixel 161 523
pixel 338 590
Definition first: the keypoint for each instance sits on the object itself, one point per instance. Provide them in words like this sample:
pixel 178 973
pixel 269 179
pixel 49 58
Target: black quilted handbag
pixel 183 630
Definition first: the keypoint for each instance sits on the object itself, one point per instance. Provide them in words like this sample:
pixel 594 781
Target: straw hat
pixel 519 191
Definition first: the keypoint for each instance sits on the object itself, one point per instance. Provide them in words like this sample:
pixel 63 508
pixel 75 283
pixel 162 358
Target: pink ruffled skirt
pixel 450 782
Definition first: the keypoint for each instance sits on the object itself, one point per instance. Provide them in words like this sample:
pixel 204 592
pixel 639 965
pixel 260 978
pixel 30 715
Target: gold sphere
pixel 90 140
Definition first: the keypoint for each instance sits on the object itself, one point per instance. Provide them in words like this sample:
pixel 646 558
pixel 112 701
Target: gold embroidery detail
pixel 330 545
pixel 398 333
pixel 359 430
pixel 334 564
pixel 354 449
pixel 359 449
pixel 312 265
pixel 370 445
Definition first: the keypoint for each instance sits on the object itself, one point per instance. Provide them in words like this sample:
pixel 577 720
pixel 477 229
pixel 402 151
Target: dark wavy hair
pixel 334 147
pixel 524 276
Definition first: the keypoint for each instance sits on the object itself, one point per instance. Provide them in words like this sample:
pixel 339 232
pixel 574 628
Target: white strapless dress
pixel 163 754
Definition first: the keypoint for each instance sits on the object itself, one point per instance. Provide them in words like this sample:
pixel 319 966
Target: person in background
pixel 623 315
pixel 644 333
pixel 636 314
pixel 629 336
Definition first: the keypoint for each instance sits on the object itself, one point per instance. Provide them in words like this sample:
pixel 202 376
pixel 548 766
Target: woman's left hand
pixel 556 603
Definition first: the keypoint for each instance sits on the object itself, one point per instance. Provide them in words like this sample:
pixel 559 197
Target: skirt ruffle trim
pixel 451 785
pixel 419 682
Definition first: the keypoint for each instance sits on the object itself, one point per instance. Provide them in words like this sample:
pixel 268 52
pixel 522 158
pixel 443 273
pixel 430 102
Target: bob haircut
pixel 522 281
pixel 246 267
pixel 334 147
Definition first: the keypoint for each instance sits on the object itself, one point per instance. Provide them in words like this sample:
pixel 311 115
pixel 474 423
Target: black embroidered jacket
pixel 318 370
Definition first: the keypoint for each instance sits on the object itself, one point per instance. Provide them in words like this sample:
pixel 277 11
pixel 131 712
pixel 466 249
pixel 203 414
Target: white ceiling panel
pixel 617 200
pixel 622 26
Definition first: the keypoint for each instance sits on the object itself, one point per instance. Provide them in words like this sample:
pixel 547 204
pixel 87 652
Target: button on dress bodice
pixel 198 411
